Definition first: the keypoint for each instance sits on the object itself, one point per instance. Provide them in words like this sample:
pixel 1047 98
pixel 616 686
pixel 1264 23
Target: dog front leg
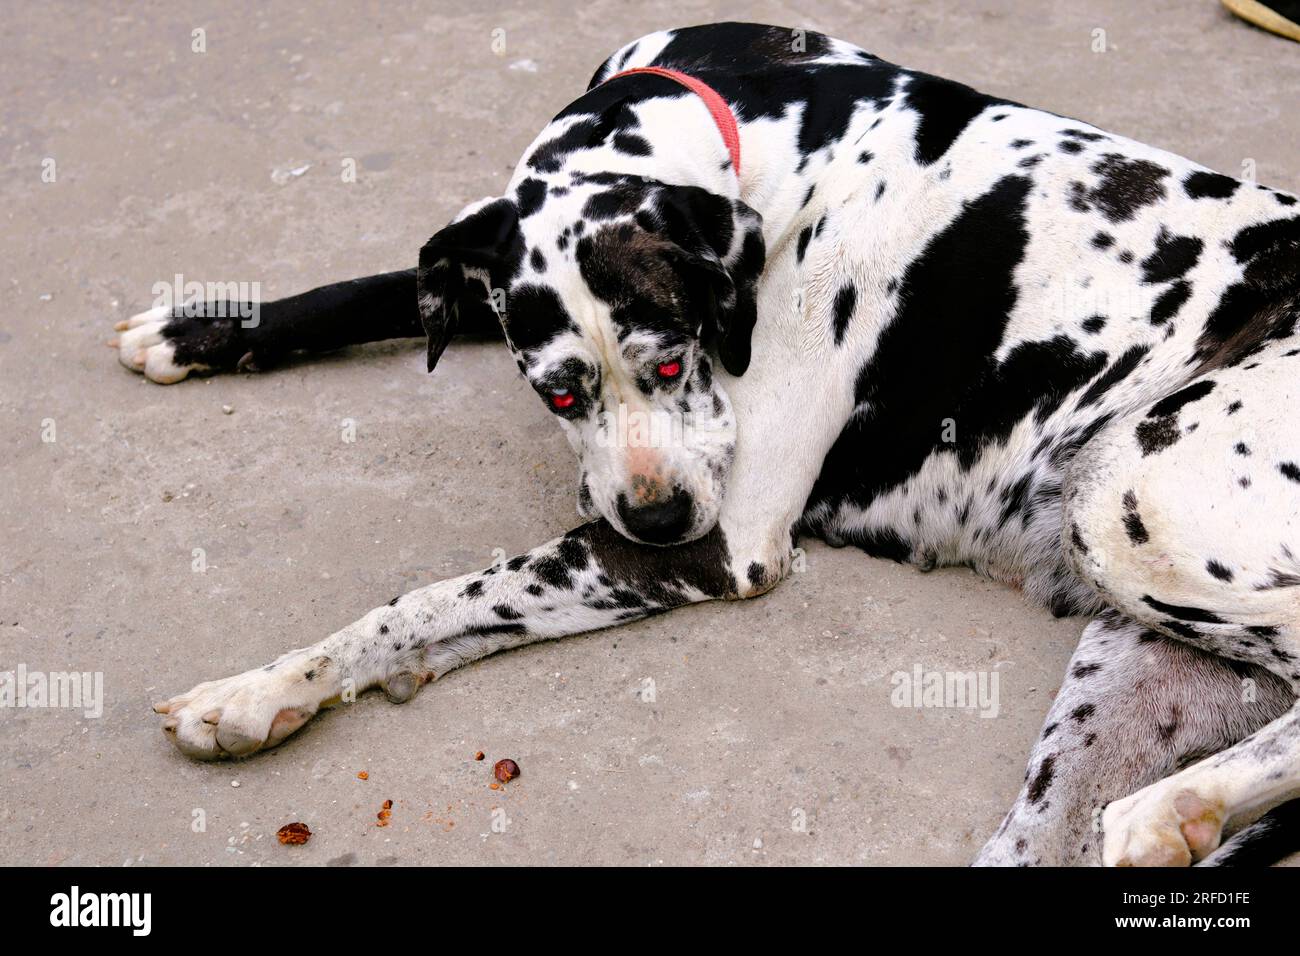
pixel 589 579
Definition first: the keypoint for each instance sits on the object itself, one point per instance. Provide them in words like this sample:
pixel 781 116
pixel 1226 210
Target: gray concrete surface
pixel 164 165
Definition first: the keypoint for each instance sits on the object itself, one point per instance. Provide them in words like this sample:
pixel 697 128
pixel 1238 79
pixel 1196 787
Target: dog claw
pixel 213 716
pixel 121 326
pixel 162 707
pixel 402 687
pixel 236 743
pixel 170 724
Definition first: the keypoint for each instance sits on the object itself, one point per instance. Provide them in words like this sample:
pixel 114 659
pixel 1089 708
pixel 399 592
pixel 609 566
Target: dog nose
pixel 660 522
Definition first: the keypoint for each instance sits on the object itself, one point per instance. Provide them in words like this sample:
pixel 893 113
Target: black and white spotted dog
pixel 936 325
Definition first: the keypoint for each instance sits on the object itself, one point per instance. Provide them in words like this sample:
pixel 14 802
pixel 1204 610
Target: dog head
pixel 616 293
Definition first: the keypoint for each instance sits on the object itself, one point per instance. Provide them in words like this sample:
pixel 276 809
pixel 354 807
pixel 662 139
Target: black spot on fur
pixel 1207 185
pixel 1174 257
pixel 946 109
pixel 657 575
pixel 620 200
pixel 1133 526
pixel 1114 374
pixel 534 316
pixel 845 301
pixel 550 156
pixel 1218 570
pixel 1170 301
pixel 802 245
pixel 1126 185
pixel 1155 435
pixel 1262 306
pixel 529 195
pixel 553 572
pixel 1182 613
pixel 1159 429
pixel 884 543
pixel 958 291
pixel 486 629
pixel 631 144
pixel 1172 404
pixel 1042 780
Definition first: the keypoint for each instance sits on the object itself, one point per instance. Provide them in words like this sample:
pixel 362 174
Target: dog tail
pixel 1268 840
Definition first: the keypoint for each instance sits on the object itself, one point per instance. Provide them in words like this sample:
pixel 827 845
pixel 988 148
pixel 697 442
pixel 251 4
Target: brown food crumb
pixel 363 775
pixel 478 755
pixel 293 834
pixel 506 770
pixel 385 814
pixel 494 785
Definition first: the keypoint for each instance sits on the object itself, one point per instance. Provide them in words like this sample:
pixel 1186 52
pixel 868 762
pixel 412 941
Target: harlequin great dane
pixel 878 308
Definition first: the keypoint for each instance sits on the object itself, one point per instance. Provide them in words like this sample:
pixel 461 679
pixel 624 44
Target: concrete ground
pixel 766 714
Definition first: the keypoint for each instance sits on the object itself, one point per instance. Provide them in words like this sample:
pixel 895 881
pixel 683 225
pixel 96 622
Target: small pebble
pixel 227 409
pixel 234 783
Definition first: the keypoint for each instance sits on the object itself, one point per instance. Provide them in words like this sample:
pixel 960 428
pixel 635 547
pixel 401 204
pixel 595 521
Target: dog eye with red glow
pixel 561 398
pixel 670 370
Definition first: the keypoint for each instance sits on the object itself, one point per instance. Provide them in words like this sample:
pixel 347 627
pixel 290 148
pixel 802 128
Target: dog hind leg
pixel 1134 707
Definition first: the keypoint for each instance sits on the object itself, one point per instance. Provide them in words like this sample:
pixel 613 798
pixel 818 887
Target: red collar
pixel 718 108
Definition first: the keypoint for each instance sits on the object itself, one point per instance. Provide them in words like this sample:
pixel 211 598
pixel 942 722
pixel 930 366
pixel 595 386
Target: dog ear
pixel 721 243
pixel 462 265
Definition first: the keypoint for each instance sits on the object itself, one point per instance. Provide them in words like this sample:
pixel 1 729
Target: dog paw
pixel 1161 826
pixel 168 344
pixel 253 711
